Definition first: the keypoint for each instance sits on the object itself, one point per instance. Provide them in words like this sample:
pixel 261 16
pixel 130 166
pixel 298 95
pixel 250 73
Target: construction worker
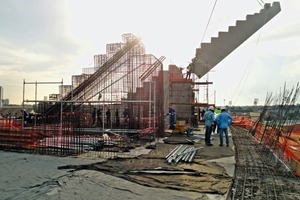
pixel 108 117
pixel 172 114
pixel 126 115
pixel 188 71
pixel 26 116
pixel 99 117
pixel 181 69
pixel 94 116
pixel 209 118
pixel 217 111
pixel 117 117
pixel 224 120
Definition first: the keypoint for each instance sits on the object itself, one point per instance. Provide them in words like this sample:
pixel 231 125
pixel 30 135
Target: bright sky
pixel 51 40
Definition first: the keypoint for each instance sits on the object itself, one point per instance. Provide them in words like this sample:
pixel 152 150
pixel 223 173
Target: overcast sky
pixel 51 40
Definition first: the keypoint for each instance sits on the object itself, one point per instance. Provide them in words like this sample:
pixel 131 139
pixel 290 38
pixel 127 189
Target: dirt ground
pixel 138 174
pixel 204 174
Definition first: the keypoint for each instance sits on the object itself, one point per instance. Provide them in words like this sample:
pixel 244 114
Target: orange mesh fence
pixel 243 121
pixel 288 145
pixel 10 124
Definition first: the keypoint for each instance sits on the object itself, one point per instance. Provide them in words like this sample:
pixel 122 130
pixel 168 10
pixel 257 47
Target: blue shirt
pixel 224 120
pixel 172 111
pixel 209 117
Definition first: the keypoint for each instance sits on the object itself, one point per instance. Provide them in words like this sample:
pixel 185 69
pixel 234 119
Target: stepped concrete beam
pixel 210 54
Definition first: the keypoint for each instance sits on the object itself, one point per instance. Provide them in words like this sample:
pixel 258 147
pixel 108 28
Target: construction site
pixel 118 110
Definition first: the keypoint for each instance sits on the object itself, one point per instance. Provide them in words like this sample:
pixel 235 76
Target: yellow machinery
pixel 180 127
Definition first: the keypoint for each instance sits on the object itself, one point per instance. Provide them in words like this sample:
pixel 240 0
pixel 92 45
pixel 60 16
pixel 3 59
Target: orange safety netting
pixel 243 121
pixel 10 124
pixel 289 144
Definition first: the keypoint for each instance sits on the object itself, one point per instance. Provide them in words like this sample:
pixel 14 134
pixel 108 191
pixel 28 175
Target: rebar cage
pixel 110 107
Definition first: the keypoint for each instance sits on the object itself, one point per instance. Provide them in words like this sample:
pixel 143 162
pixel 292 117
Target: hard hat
pixel 211 108
pixel 223 108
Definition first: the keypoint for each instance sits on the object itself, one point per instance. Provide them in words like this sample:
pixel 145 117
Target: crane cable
pixel 208 21
pixel 261 2
pixel 249 65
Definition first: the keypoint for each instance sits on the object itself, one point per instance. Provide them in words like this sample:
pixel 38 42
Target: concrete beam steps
pixel 212 53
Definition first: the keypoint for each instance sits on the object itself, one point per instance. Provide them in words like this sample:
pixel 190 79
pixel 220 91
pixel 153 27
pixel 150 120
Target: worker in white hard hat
pixel 209 118
pixel 224 120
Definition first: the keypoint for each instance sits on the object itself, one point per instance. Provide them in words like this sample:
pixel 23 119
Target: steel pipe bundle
pixel 182 153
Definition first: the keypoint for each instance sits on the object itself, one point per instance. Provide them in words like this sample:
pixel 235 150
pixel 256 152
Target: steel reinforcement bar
pixel 259 174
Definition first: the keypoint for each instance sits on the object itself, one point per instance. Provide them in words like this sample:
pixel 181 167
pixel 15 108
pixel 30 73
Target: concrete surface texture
pixel 29 176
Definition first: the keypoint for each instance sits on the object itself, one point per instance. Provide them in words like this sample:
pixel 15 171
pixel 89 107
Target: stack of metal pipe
pixel 182 153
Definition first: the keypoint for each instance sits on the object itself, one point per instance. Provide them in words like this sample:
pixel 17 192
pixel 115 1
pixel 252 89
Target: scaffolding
pixel 117 102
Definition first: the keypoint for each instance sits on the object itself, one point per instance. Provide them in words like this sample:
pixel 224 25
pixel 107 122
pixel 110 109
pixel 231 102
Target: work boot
pixel 227 145
pixel 220 145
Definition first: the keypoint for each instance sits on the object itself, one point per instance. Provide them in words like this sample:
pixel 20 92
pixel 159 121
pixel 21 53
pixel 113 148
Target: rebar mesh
pixel 109 109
